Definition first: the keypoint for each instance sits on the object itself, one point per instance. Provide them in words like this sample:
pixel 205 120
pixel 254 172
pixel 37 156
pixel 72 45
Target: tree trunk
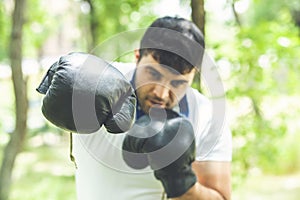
pixel 296 17
pixel 198 17
pixel 236 15
pixel 21 101
pixel 93 25
pixel 198 14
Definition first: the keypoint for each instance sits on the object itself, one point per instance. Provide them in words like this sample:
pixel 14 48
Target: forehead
pixel 148 62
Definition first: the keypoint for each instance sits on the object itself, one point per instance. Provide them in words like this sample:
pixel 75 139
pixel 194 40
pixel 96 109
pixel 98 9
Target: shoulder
pixel 194 96
pixel 198 104
pixel 213 136
pixel 127 69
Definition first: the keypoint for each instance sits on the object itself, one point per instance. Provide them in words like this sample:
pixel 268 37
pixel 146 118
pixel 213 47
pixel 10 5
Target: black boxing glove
pixel 83 92
pixel 165 141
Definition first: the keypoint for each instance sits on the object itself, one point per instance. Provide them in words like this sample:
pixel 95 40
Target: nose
pixel 161 91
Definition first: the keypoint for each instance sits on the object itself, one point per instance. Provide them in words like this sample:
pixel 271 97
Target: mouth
pixel 156 103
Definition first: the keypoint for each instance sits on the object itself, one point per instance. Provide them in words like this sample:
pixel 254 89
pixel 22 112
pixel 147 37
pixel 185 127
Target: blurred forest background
pixel 255 44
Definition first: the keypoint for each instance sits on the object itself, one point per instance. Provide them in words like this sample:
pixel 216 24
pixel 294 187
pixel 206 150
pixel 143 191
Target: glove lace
pixel 164 196
pixel 71 150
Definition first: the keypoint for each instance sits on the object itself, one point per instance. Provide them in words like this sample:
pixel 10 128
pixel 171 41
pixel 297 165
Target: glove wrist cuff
pixel 177 184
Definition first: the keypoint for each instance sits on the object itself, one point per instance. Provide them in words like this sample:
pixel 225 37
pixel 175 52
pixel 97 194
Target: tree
pixel 104 19
pixel 198 17
pixel 198 14
pixel 21 102
pixel 4 24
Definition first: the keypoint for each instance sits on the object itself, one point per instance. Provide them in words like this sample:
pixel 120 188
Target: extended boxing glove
pixel 83 92
pixel 166 140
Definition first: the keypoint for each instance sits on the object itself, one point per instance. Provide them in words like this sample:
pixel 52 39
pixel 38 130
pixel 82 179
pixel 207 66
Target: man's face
pixel 158 85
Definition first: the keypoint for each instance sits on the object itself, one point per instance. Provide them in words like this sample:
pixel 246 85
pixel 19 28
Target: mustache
pixel 157 100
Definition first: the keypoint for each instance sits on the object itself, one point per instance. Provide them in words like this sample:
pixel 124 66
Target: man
pixel 166 63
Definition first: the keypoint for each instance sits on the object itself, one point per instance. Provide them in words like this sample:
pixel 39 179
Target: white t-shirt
pixel 102 174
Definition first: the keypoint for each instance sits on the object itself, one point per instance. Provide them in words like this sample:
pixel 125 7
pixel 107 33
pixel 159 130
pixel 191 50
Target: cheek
pixel 177 94
pixel 142 91
pixel 142 85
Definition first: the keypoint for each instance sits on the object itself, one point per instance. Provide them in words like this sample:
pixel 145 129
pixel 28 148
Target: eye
pixel 178 83
pixel 155 75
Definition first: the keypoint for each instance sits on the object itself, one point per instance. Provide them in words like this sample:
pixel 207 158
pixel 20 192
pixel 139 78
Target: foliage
pixel 264 70
pixel 39 22
pixel 107 18
pixel 39 25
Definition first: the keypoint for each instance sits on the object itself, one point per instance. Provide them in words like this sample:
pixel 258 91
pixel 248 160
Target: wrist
pixel 176 184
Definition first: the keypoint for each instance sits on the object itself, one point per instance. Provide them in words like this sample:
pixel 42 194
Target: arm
pixel 214 181
pixel 184 178
pixel 83 92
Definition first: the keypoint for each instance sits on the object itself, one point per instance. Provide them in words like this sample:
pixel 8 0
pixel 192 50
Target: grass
pixel 265 187
pixel 36 186
pixel 44 172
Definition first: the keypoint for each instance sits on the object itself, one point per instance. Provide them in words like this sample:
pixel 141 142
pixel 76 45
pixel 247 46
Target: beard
pixel 146 102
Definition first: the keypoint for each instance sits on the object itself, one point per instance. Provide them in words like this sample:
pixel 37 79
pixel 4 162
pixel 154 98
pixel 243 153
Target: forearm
pixel 200 192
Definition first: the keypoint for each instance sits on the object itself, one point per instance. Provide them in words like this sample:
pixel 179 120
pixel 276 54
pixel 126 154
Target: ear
pixel 136 55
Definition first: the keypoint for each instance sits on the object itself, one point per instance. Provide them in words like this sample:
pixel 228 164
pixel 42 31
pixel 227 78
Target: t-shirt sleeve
pixel 215 145
pixel 212 133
